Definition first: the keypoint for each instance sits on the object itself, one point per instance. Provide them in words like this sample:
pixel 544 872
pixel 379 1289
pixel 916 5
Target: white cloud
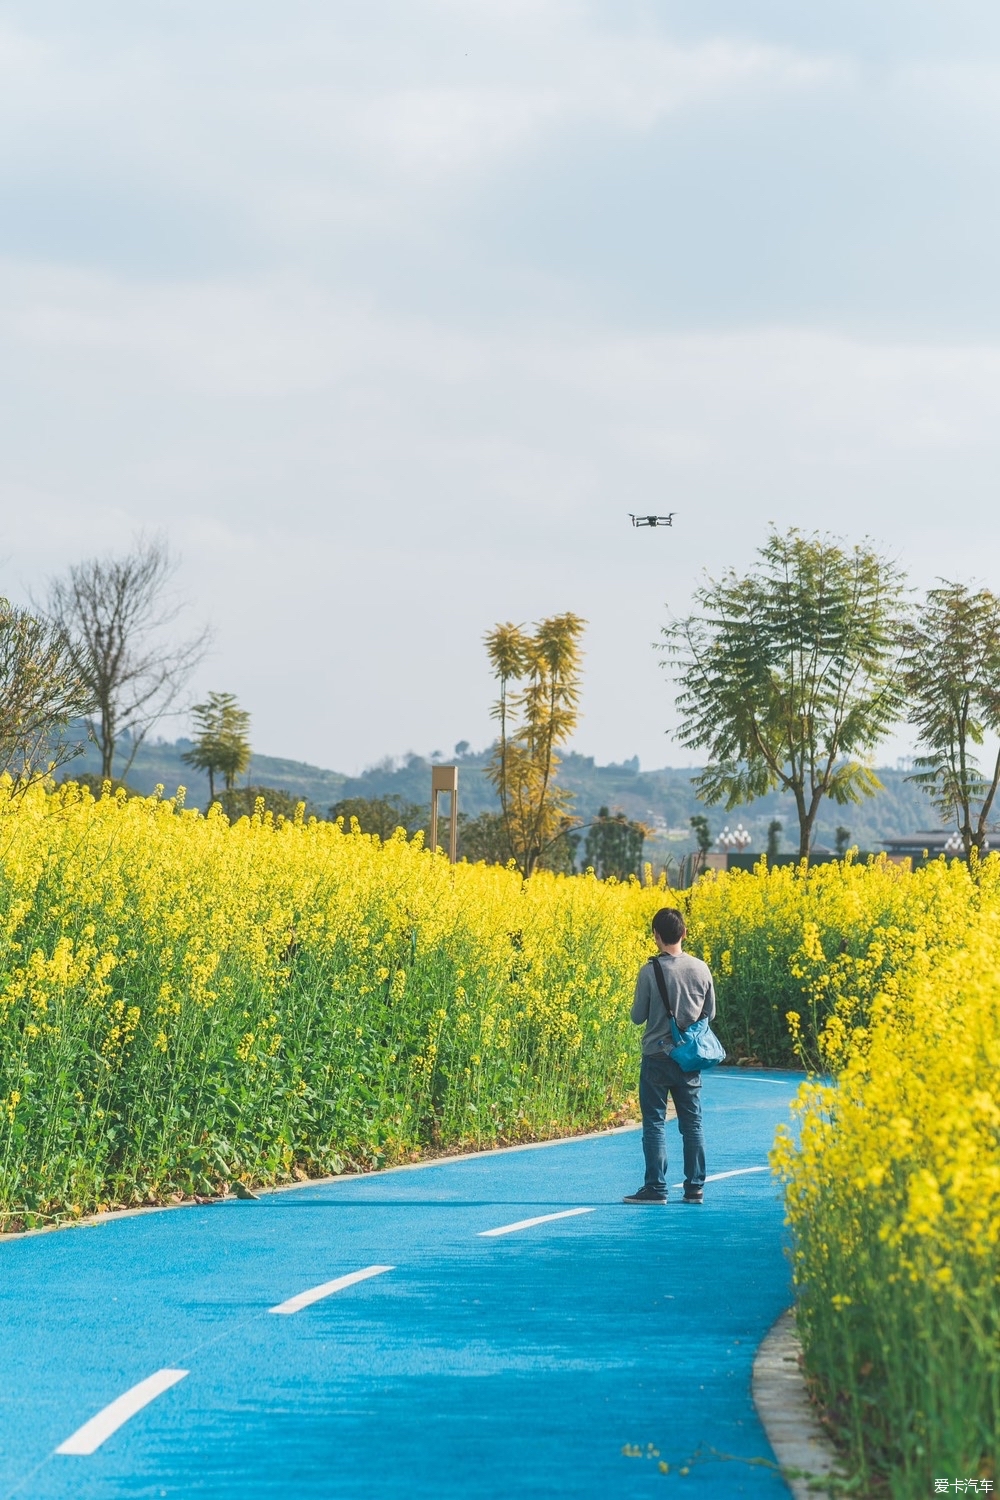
pixel 350 487
pixel 622 84
pixel 390 314
pixel 265 104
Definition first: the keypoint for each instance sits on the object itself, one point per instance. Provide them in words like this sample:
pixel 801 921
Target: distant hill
pixel 159 763
pixel 663 799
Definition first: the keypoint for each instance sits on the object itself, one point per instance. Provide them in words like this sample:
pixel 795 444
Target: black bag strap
pixel 661 985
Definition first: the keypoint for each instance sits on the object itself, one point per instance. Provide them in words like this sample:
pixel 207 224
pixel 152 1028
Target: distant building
pixel 930 843
pixel 925 843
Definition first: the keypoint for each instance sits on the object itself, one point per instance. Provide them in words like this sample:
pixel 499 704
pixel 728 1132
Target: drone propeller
pixel 653 520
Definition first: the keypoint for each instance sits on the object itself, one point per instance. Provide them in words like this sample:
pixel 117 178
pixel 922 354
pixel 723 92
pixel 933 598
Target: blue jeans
pixel 659 1076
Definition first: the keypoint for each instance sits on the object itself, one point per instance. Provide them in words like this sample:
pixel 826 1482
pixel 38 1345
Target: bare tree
pixel 41 692
pixel 115 613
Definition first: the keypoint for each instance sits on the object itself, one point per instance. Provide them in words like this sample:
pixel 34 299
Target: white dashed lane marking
pixel 89 1437
pixel 327 1289
pixel 567 1213
pixel 718 1176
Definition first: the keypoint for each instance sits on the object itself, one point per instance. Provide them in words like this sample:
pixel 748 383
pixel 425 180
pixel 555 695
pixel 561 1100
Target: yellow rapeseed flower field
pixel 183 1001
pixel 893 1194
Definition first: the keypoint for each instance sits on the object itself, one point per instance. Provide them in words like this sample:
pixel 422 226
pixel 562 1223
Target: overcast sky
pixel 386 314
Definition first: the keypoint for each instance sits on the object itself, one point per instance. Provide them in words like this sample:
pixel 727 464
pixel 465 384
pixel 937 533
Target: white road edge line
pixel 89 1437
pixel 567 1213
pixel 782 1083
pixel 317 1293
pixel 718 1176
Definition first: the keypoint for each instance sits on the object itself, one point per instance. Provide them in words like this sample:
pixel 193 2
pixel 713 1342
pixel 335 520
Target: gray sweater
pixel 692 998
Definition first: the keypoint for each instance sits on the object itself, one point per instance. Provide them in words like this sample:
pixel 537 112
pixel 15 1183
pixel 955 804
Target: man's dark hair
pixel 668 924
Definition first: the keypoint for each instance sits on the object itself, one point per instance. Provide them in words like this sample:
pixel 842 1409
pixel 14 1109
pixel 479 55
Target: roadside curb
pixel 800 1445
pixel 93 1221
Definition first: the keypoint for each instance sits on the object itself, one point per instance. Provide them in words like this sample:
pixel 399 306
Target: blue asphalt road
pixel 517 1365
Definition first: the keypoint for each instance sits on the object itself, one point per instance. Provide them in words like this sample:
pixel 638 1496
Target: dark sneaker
pixel 645 1195
pixel 693 1195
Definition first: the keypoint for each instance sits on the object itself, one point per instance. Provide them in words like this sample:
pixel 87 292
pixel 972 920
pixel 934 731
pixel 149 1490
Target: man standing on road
pixel 691 997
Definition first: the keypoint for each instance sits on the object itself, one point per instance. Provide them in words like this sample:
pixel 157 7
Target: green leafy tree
pixel 773 838
pixel 221 741
pixel 703 837
pixel 559 854
pixel 789 676
pixel 537 711
pixel 41 692
pixel 953 683
pixel 483 839
pixel 614 845
pixel 843 839
pixel 381 815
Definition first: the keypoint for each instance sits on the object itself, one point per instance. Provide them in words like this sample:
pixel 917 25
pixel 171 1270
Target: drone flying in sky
pixel 653 520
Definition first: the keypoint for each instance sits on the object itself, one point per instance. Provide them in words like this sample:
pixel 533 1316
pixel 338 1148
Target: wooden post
pixel 445 779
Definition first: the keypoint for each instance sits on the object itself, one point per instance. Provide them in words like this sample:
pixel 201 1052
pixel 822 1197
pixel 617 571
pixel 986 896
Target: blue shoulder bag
pixel 698 1047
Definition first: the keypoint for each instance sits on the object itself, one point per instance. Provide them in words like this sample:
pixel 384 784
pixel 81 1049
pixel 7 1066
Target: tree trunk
pixel 982 822
pixel 807 820
pixel 104 733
